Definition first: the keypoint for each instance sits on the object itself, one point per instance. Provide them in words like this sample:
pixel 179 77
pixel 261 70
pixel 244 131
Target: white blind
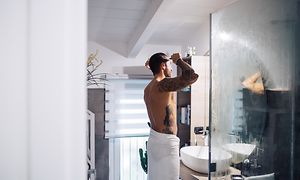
pixel 126 113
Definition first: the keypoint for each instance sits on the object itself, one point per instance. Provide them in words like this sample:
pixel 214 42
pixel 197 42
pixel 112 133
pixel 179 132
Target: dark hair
pixel 155 61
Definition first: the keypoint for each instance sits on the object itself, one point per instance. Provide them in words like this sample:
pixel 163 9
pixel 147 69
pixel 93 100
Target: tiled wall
pixel 96 105
pixel 269 120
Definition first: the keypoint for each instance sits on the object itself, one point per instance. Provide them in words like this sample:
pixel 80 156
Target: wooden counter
pixel 188 174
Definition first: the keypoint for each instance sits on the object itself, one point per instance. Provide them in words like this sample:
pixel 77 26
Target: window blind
pixel 126 113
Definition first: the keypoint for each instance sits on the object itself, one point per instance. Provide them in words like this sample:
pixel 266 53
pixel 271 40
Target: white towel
pixel 163 156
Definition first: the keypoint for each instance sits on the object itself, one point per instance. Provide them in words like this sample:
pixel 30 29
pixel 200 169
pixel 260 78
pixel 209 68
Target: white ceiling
pixel 125 26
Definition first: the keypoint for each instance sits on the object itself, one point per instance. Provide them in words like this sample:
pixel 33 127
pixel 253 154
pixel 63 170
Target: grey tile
pixel 102 158
pixel 96 100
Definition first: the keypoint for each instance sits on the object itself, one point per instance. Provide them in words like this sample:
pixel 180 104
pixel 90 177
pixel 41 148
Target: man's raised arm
pixel 187 77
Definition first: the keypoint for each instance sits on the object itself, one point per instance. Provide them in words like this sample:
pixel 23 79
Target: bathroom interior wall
pixel 115 63
pixel 200 99
pixel 247 37
pixel 199 39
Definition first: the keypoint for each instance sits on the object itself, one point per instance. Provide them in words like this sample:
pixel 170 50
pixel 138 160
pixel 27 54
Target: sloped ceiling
pixel 125 26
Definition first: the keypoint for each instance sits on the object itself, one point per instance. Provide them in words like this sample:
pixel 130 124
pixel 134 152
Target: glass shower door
pixel 253 57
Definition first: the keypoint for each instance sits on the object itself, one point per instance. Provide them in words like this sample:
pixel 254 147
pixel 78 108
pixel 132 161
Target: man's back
pixel 163 144
pixel 161 108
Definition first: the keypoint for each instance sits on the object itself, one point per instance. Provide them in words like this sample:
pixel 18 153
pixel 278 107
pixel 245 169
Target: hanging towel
pixel 163 156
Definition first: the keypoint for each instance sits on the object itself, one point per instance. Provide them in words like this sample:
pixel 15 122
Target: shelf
pixel 183 100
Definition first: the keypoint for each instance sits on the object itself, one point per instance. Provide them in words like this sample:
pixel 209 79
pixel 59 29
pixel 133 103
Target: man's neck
pixel 159 76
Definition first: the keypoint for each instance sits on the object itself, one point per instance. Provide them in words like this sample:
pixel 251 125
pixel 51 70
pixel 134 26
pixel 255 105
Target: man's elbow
pixel 194 77
pixel 190 76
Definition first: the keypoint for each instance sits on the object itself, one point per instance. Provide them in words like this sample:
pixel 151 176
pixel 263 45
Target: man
pixel 163 144
pixel 251 83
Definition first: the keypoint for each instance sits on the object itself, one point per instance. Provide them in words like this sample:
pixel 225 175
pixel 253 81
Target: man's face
pixel 168 69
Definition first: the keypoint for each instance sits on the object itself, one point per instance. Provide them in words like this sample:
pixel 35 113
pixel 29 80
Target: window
pixel 126 126
pixel 126 113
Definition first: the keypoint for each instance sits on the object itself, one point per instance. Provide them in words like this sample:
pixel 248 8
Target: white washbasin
pixel 239 151
pixel 196 158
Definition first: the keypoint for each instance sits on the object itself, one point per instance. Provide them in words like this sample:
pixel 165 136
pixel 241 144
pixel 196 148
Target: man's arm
pixel 252 84
pixel 187 77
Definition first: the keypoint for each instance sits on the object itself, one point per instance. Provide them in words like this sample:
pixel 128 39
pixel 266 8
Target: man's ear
pixel 163 66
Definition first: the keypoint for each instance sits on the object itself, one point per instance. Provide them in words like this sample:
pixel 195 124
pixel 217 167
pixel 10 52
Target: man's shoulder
pixel 153 89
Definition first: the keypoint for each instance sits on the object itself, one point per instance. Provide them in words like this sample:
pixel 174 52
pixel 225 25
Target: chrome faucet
pixel 197 131
pixel 206 136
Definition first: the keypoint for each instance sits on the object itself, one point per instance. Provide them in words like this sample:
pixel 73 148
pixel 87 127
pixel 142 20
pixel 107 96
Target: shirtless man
pixel 163 144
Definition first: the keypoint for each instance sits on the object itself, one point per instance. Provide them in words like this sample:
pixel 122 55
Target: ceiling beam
pixel 146 27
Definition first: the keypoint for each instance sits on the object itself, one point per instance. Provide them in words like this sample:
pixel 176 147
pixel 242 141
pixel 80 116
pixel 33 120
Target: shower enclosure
pixel 254 111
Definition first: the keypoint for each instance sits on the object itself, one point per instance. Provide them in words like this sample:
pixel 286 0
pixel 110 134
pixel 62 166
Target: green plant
pixel 144 159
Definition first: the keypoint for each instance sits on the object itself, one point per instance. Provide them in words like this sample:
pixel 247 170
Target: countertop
pixel 189 174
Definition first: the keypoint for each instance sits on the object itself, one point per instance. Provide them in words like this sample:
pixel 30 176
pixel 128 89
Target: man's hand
pixel 147 64
pixel 175 57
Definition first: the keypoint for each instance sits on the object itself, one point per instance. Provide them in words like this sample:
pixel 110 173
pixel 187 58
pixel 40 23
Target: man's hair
pixel 155 61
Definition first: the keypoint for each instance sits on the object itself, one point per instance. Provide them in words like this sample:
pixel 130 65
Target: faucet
pixel 197 131
pixel 206 136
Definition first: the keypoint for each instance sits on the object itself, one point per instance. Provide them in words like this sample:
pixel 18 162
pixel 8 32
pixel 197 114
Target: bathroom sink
pixel 196 158
pixel 239 151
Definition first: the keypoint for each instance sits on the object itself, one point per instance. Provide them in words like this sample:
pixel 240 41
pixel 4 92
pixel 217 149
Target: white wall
pixel 43 93
pixel 199 39
pixel 114 62
pixel 200 98
pixel 14 115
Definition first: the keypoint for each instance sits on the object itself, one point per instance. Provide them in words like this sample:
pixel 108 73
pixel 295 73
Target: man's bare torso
pixel 159 96
pixel 161 108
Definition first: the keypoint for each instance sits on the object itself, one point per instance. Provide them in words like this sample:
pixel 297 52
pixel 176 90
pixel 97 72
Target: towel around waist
pixel 163 138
